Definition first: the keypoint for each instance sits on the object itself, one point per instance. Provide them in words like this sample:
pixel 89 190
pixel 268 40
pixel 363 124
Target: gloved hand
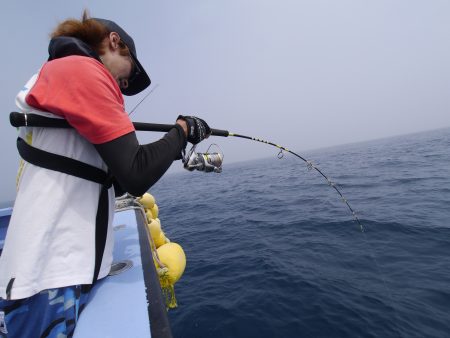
pixel 197 129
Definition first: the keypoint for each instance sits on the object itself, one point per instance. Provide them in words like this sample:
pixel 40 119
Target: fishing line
pixel 310 165
pixel 390 298
pixel 151 91
pixel 214 160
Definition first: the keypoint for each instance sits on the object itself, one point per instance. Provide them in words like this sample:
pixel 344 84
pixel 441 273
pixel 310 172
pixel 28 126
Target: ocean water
pixel 272 251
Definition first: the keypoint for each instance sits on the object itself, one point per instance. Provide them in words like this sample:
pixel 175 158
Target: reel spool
pixel 206 162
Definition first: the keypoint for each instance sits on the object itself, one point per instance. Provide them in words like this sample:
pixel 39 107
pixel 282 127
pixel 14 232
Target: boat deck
pixel 118 304
pixel 130 303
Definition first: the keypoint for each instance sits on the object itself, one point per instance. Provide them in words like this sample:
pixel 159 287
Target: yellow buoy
pixel 147 200
pixel 154 226
pixel 174 260
pixel 149 216
pixel 173 257
pixel 160 240
pixel 155 211
pixel 158 236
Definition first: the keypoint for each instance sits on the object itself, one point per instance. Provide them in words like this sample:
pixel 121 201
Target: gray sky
pixel 303 74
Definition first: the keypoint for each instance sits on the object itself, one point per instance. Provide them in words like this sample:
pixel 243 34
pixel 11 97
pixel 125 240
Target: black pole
pixel 142 126
pixel 34 120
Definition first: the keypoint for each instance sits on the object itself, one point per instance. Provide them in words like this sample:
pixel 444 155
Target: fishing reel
pixel 207 161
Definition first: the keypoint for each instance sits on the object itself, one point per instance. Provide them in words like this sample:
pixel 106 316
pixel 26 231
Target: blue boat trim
pixel 5 212
pixel 158 319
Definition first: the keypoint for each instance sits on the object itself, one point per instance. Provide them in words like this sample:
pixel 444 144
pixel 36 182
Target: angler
pixel 59 240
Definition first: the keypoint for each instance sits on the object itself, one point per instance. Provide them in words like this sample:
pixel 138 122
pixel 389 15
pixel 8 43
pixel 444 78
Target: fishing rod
pixel 310 165
pixel 213 161
pixel 207 162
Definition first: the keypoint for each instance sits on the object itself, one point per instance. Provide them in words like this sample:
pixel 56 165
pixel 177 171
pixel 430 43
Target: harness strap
pixel 82 170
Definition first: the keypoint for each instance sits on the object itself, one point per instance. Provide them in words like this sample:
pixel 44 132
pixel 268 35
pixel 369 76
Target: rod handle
pixel 141 126
pixel 33 120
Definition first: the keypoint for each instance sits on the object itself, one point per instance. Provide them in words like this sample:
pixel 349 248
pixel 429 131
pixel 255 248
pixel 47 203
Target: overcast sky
pixel 303 74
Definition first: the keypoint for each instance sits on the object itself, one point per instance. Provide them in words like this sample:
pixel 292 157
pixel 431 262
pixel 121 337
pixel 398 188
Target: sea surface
pixel 272 250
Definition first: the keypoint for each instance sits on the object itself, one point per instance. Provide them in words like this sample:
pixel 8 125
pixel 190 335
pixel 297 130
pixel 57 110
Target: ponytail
pixel 88 30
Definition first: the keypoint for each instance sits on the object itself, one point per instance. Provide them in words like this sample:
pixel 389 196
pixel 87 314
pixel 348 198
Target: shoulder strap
pixel 82 170
pixel 61 163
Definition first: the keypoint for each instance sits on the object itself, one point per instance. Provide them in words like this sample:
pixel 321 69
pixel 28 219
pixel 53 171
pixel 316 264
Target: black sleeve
pixel 137 167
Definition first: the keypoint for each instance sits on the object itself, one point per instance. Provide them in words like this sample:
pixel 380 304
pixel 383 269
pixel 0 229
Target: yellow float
pixel 169 257
pixel 155 211
pixel 147 200
pixel 172 256
pixel 160 240
pixel 149 215
pixel 154 226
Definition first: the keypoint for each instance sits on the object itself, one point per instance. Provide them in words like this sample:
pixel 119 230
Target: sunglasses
pixel 135 71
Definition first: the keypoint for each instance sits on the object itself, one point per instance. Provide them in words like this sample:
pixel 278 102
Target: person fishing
pixel 60 239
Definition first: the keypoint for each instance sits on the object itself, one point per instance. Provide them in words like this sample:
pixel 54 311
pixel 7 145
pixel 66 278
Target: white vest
pixel 50 241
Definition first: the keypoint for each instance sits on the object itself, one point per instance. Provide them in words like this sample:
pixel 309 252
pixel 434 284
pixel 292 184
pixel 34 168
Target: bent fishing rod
pixel 207 162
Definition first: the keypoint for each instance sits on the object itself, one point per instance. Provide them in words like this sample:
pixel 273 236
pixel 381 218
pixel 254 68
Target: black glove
pixel 198 129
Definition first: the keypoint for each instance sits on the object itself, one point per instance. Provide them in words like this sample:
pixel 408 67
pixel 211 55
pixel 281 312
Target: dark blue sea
pixel 272 250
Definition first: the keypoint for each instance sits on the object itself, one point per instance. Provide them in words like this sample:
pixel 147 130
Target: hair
pixel 88 30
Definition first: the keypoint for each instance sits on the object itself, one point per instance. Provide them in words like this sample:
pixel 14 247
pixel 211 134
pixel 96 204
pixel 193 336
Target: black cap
pixel 139 80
